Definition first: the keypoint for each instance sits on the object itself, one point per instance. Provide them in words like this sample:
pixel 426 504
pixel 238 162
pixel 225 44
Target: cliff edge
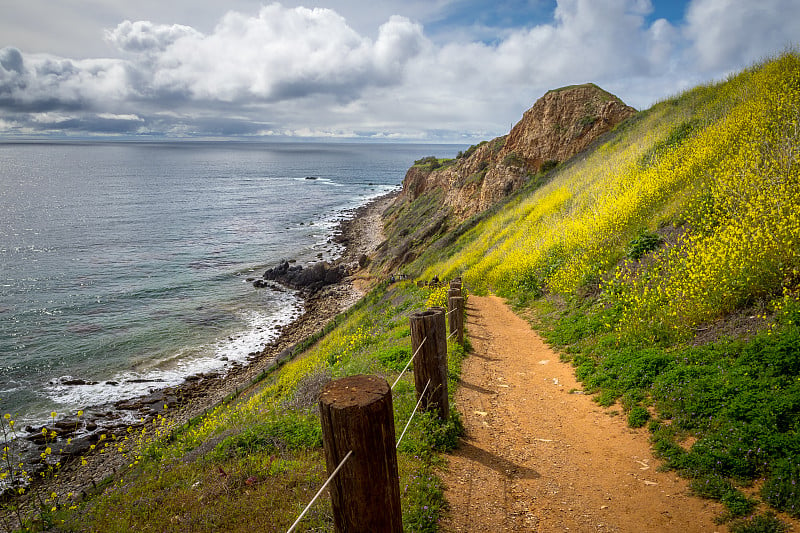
pixel 559 125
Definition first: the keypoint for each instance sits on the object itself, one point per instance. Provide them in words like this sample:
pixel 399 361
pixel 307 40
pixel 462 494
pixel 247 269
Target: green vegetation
pixel 512 159
pixel 433 162
pixel 605 95
pixel 255 461
pixel 666 266
pixel 548 165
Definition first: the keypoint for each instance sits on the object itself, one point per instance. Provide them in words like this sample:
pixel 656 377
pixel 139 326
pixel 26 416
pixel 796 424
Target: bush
pixel 767 523
pixel 432 162
pixel 643 244
pixel 782 489
pixel 548 165
pixel 716 487
pixel 512 159
pixel 638 417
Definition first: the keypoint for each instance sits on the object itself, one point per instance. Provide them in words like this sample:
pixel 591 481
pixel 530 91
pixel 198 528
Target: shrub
pixel 548 165
pixel 512 159
pixel 766 523
pixel 643 244
pixel 638 417
pixel 718 488
pixel 782 489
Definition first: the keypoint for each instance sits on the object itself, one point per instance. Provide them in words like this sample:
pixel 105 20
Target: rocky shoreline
pixel 327 290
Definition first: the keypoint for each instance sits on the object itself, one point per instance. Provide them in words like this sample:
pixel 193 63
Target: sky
pixel 396 70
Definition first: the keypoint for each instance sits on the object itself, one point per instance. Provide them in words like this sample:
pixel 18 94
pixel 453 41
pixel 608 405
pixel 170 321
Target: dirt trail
pixel 540 457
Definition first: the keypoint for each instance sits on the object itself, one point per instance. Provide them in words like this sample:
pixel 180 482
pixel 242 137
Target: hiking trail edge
pixel 540 456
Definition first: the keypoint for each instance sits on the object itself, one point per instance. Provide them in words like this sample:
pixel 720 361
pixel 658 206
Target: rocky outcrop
pixel 560 124
pixel 309 279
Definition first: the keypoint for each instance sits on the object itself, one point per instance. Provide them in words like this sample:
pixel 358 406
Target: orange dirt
pixel 539 456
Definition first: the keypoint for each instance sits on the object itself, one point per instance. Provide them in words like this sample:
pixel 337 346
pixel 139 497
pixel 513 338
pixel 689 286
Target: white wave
pixel 261 329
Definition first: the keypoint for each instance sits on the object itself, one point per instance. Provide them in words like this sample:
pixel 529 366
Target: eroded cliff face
pixel 559 125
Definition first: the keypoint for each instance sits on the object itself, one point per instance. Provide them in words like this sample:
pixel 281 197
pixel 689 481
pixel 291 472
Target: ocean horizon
pixel 123 265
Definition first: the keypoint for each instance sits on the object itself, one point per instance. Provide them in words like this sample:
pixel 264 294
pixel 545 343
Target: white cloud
pixel 726 34
pixel 145 37
pixel 308 72
pixel 279 54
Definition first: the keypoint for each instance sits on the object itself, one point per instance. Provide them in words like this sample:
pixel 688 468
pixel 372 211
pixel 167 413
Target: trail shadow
pixel 476 388
pixel 495 462
pixel 484 356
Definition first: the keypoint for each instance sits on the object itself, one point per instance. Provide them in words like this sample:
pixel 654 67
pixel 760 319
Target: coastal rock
pixel 74 382
pixel 309 279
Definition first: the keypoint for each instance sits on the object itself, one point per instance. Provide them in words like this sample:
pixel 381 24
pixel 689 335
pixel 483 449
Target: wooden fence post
pixel 455 317
pixel 431 361
pixel 453 292
pixel 356 414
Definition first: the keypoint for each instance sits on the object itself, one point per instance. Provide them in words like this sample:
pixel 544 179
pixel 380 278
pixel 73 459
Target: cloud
pixel 727 34
pixel 307 72
pixel 148 38
pixel 277 55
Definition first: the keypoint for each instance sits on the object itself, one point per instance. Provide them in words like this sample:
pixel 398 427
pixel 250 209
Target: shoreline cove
pixel 75 439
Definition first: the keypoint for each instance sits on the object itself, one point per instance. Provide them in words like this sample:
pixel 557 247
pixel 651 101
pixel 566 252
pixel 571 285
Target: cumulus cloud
pixel 145 37
pixel 278 54
pixel 307 72
pixel 728 33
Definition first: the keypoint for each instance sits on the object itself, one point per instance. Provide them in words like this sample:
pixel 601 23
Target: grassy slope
pixel 256 461
pixel 635 256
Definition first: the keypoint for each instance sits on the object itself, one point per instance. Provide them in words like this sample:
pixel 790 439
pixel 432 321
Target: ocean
pixel 123 265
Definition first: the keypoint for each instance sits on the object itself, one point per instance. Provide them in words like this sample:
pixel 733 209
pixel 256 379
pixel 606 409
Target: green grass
pixel 255 461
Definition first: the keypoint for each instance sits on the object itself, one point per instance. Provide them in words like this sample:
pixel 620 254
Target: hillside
pixel 439 194
pixel 665 264
pixel 660 257
pixel 560 124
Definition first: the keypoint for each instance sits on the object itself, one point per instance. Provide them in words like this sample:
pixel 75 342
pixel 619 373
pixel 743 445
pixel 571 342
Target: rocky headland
pixel 560 124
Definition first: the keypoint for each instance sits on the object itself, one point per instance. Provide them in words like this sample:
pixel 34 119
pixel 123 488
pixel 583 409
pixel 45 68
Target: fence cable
pixel 346 457
pixel 409 362
pixel 421 396
pixel 452 310
pixel 452 333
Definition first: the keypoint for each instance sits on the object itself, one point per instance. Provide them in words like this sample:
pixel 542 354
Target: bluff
pixel 559 125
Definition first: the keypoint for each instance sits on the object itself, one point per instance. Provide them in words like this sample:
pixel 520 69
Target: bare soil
pixel 540 456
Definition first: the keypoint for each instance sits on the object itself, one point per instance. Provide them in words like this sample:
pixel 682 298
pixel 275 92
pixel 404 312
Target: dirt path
pixel 540 457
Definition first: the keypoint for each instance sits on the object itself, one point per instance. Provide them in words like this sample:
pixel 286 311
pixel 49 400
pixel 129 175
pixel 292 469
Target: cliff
pixel 560 124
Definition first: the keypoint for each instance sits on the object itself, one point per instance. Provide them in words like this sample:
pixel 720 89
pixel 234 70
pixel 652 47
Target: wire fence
pixel 399 440
pixel 409 362
pixel 421 396
pixel 319 492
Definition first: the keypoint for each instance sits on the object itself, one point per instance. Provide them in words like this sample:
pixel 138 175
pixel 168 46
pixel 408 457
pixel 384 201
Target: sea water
pixel 123 265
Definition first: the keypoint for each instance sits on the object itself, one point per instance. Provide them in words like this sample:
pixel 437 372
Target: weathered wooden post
pixel 455 317
pixel 356 414
pixel 431 361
